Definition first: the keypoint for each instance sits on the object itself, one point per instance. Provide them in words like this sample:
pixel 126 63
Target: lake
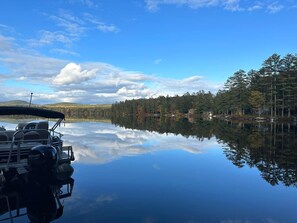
pixel 184 172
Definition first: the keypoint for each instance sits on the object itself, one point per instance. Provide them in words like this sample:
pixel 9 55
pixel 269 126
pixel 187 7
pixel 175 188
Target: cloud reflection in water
pixel 99 143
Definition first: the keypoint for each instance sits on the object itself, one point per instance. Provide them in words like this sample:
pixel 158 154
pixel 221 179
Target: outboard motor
pixel 43 159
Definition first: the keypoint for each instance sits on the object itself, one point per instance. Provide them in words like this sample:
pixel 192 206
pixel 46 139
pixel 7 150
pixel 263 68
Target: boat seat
pixel 31 136
pixel 9 133
pixel 42 125
pixel 18 136
pixel 30 125
pixel 3 138
pixel 42 128
pixel 21 125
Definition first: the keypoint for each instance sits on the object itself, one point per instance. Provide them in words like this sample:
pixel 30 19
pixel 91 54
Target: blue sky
pixel 103 51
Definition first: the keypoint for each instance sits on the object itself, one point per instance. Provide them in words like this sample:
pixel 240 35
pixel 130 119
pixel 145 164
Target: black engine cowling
pixel 43 158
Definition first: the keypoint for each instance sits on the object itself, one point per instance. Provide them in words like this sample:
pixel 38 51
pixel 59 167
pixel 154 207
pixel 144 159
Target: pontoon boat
pixel 33 144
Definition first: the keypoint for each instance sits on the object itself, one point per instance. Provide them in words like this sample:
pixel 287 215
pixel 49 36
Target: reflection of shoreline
pixel 271 148
pixel 73 120
pixel 99 143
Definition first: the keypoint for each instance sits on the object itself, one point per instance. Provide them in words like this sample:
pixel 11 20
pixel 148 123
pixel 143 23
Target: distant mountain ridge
pixel 63 104
pixel 60 104
pixel 14 103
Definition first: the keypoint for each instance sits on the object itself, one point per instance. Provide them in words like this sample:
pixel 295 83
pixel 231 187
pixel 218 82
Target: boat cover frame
pixel 33 111
pixel 19 110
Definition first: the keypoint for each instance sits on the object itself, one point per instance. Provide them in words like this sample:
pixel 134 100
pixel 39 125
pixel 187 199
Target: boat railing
pixel 16 145
pixel 67 155
pixel 55 133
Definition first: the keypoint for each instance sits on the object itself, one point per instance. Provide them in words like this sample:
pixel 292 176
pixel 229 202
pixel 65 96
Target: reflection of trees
pixel 201 129
pixel 271 147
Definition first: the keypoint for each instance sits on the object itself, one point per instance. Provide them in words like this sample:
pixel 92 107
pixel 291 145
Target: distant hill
pixel 63 104
pixel 14 103
pixel 56 105
pixel 69 104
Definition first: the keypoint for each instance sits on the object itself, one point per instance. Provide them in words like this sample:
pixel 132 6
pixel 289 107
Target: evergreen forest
pixel 268 92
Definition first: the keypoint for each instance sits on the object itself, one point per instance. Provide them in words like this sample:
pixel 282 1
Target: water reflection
pixel 173 176
pixel 35 196
pixel 96 142
pixel 270 147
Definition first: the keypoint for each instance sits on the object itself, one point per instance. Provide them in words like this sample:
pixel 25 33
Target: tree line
pixel 83 112
pixel 270 91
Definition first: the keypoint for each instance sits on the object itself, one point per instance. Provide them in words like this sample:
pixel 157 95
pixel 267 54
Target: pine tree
pixel 271 67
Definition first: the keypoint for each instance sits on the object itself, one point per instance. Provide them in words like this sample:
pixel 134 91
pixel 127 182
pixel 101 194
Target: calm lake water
pixel 129 175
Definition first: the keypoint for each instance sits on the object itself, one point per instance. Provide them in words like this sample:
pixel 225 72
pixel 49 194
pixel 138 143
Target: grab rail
pixel 25 137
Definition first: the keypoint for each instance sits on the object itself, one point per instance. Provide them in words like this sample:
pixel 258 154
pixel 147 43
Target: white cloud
pixel 6 29
pixel 47 37
pixel 27 63
pixel 67 30
pixel 72 73
pixel 171 87
pixel 274 7
pixel 106 84
pixel 191 80
pixel 22 78
pixel 255 7
pixel 153 5
pixel 4 77
pixel 89 3
pixel 230 5
pixel 6 44
pixel 53 80
pixel 102 26
pixel 99 83
pixel 70 28
pixel 108 28
pixel 125 91
pixel 63 51
pixel 73 25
